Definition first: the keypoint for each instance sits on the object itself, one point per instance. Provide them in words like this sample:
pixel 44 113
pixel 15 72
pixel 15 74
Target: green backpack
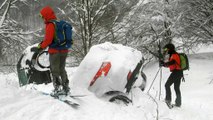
pixel 184 62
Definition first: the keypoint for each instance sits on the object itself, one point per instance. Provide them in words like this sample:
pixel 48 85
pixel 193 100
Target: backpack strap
pixel 55 35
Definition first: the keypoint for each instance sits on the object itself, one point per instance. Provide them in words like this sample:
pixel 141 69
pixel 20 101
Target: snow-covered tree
pixel 94 21
pixel 151 22
pixel 12 34
pixel 137 23
pixel 196 21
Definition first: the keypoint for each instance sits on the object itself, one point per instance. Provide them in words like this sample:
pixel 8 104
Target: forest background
pixel 141 24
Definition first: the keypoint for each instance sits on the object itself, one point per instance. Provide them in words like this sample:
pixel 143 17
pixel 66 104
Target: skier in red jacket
pixel 57 57
pixel 175 76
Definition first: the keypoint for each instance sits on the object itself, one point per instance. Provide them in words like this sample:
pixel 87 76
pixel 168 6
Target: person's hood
pixel 48 14
pixel 170 52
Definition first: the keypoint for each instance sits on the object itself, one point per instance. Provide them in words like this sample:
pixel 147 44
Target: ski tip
pixel 77 96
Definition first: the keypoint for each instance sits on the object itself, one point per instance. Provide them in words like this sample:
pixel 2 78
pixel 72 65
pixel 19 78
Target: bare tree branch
pixel 5 13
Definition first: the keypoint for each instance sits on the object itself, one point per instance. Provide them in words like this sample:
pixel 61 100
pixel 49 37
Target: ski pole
pixel 154 79
pixel 160 83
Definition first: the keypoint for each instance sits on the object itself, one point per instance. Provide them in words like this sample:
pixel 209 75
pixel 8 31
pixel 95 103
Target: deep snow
pixel 26 103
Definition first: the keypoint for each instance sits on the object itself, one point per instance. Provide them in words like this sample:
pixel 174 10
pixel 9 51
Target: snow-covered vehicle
pixel 110 70
pixel 33 67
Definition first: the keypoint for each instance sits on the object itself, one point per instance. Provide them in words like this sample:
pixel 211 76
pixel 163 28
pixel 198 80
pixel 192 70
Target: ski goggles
pixel 40 15
pixel 165 49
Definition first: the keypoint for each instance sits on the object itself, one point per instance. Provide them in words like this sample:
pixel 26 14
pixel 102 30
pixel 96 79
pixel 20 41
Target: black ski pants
pixel 174 78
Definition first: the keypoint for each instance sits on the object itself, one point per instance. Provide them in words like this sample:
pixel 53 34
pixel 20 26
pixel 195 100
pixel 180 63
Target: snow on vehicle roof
pixel 122 58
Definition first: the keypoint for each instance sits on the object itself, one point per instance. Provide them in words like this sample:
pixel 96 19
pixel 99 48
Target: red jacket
pixel 48 14
pixel 176 65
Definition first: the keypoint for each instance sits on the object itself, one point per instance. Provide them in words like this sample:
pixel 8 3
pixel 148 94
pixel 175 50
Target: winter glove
pixel 162 63
pixel 36 49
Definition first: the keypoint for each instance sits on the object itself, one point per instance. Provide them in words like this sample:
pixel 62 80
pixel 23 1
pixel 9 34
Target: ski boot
pixel 66 88
pixel 168 103
pixel 55 92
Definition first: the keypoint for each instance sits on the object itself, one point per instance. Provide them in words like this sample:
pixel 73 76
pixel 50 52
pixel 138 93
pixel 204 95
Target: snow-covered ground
pixel 197 98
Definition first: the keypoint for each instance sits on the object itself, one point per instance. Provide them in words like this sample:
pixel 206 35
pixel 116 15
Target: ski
pixel 68 102
pixel 64 99
pixel 75 96
pixel 72 96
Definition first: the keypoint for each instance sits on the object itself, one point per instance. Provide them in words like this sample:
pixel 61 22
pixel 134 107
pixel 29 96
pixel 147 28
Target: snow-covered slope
pixel 197 98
